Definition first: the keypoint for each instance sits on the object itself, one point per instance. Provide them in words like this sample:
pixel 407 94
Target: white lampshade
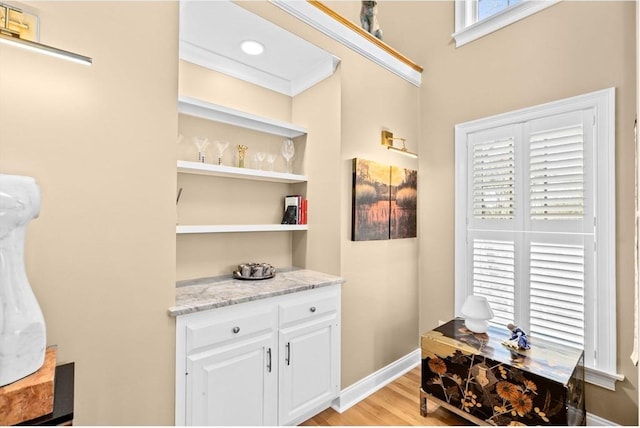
pixel 477 313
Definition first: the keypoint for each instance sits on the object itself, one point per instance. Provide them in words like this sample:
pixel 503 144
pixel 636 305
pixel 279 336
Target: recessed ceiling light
pixel 251 47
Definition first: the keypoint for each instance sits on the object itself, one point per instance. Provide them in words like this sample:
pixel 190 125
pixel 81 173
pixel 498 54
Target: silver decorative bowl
pixel 254 271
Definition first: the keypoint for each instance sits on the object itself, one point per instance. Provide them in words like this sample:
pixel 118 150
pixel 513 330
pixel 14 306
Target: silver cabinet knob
pixel 312 308
pixel 235 330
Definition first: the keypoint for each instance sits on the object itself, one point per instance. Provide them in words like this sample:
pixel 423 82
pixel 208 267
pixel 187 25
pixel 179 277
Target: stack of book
pixel 295 210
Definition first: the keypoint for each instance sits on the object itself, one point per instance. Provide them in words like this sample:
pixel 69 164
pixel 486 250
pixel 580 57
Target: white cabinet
pixel 249 387
pixel 274 361
pixel 229 362
pixel 309 376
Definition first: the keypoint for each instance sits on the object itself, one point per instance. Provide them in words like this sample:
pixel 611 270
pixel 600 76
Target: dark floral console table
pixel 478 378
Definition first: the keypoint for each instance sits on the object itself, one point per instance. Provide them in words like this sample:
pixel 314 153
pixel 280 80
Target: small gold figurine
pixel 242 151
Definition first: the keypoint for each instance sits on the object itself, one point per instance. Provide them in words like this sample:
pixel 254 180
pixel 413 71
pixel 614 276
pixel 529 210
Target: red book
pixel 303 216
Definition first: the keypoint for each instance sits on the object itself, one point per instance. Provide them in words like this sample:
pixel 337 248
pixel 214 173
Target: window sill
pixel 499 20
pixel 602 379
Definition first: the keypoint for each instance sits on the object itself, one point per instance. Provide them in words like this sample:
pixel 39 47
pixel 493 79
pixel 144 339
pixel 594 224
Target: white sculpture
pixel 22 328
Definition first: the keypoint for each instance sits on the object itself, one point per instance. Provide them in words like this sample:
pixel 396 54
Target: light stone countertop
pixel 209 293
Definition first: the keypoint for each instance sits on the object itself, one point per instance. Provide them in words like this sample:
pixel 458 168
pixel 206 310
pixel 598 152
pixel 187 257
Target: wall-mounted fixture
pixel 387 141
pixel 13 27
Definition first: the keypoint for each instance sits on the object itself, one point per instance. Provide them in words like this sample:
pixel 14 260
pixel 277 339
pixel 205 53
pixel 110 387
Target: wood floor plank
pixel 396 404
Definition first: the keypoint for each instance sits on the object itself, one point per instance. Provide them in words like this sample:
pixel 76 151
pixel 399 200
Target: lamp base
pixel 476 326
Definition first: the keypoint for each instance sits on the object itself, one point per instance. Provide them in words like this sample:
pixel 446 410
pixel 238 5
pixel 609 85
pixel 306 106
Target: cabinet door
pixel 309 368
pixel 235 384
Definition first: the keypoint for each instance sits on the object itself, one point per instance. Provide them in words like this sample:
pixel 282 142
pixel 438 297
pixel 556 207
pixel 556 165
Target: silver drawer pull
pixel 287 359
pixel 235 330
pixel 312 308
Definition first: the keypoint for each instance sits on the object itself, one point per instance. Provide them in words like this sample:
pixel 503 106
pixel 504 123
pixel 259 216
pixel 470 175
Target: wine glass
pixel 201 144
pixel 288 151
pixel 271 160
pixel 221 146
pixel 259 156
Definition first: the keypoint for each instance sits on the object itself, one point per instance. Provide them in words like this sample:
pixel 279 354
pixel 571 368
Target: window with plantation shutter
pixel 535 224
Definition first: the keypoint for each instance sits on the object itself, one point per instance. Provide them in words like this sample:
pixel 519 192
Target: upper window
pixel 486 8
pixel 535 224
pixel 477 18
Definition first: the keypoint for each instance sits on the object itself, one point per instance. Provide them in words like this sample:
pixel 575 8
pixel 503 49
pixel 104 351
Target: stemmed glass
pixel 259 159
pixel 201 144
pixel 221 146
pixel 288 151
pixel 271 159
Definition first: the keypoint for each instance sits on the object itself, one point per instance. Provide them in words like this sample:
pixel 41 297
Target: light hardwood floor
pixel 395 404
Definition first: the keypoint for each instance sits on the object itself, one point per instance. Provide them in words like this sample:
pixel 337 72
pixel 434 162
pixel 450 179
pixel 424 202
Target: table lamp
pixel 477 313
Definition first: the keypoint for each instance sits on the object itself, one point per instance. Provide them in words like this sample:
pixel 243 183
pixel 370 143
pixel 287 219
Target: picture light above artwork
pixel 387 141
pixel 19 29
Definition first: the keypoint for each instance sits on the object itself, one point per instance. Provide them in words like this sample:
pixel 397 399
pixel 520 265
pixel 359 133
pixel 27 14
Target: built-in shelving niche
pixel 218 113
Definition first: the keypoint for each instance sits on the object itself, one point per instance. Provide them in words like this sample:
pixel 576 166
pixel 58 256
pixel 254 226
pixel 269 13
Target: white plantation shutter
pixel 556 173
pixel 529 188
pixel 494 179
pixel 556 288
pixel 494 276
pixel 557 169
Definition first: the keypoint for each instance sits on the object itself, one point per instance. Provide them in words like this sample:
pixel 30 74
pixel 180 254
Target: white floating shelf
pixel 188 167
pixel 239 228
pixel 202 109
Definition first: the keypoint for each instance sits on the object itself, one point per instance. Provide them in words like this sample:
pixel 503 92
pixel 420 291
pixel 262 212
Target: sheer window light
pixel 477 18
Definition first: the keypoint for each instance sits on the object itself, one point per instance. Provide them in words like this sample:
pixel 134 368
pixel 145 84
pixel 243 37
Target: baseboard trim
pixel 593 420
pixel 360 390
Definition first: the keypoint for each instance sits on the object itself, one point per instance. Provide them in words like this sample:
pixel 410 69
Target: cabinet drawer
pixel 227 327
pixel 307 307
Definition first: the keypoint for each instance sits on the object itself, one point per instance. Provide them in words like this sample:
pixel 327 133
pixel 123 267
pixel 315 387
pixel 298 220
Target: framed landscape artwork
pixel 384 201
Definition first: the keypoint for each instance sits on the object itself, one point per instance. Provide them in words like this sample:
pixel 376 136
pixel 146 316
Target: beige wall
pixel 344 116
pixel 569 49
pixel 100 141
pixel 318 110
pixel 380 313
